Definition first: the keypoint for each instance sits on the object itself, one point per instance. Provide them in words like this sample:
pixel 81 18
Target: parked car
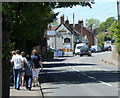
pixel 97 48
pixel 78 47
pixel 107 48
pixel 85 51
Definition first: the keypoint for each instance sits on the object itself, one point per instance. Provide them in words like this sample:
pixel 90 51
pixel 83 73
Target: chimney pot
pixel 80 22
pixel 62 19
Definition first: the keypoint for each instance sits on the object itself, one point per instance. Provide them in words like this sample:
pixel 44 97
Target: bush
pixel 117 46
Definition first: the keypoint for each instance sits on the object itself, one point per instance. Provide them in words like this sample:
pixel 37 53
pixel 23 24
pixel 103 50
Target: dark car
pixel 107 48
pixel 85 51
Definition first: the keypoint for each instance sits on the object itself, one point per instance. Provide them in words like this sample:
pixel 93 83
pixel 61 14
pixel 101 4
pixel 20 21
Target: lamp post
pixel 72 35
pixel 118 9
pixel 82 31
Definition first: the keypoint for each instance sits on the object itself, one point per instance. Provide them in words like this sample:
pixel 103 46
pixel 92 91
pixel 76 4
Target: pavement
pixel 111 60
pixel 35 91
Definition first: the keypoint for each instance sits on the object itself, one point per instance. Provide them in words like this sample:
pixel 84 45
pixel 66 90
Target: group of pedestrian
pixel 26 66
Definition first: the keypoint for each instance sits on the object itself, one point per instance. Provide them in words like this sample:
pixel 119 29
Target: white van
pixel 78 47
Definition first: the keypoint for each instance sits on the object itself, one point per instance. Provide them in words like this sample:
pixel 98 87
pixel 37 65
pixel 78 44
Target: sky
pixel 101 10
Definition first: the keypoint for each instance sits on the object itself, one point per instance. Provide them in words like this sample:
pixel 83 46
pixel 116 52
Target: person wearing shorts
pixel 36 68
pixel 23 69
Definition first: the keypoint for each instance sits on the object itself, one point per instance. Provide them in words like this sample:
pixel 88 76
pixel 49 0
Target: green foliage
pixel 117 46
pixel 112 30
pixel 117 33
pixel 109 22
pixel 95 23
pixel 100 37
pixel 55 23
pixel 105 25
pixel 70 4
pixel 30 19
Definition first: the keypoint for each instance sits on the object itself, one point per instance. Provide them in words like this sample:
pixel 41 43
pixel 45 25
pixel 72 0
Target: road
pixel 80 76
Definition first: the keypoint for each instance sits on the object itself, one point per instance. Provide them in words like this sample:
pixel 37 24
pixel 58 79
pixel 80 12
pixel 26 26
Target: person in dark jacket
pixel 37 66
pixel 28 72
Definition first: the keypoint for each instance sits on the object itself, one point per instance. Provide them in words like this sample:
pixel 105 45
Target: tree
pixel 116 30
pixel 105 25
pixel 25 23
pixel 29 21
pixel 111 30
pixel 100 37
pixel 6 28
pixel 94 22
pixel 55 23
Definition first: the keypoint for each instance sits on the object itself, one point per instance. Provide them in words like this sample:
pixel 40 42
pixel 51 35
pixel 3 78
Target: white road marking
pixel 106 83
pixel 77 70
pixel 66 63
pixel 73 68
pixel 92 77
pixel 83 73
pixel 101 69
pixel 105 69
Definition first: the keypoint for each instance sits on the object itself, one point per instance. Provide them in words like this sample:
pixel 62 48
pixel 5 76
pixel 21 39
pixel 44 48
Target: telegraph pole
pixel 73 34
pixel 118 9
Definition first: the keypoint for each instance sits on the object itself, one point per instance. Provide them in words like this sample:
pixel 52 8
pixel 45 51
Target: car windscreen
pixel 79 47
pixel 84 49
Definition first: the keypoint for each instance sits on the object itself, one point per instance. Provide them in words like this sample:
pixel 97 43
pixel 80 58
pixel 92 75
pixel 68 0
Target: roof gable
pixel 63 27
pixel 68 27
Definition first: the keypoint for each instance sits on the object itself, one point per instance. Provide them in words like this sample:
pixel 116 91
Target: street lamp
pixel 118 9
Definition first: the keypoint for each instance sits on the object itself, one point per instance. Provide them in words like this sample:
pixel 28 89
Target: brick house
pixel 74 35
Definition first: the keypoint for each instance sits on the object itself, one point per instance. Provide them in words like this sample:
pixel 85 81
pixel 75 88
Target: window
pixel 66 40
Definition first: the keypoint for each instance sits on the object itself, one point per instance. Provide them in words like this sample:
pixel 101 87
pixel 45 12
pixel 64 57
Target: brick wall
pixel 86 32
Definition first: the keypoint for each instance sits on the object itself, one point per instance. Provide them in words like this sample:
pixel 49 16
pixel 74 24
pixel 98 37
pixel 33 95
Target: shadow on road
pixel 56 60
pixel 64 64
pixel 73 77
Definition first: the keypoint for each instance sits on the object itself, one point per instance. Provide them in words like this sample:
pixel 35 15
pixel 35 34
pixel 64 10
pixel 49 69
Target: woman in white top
pixel 17 68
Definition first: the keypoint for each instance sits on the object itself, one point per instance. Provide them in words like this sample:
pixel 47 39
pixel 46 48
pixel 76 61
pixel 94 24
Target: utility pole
pixel 55 40
pixel 82 32
pixel 118 9
pixel 73 33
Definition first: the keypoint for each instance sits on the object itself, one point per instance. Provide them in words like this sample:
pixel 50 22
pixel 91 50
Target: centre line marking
pixel 105 69
pixel 83 73
pixel 106 83
pixel 73 68
pixel 92 77
pixel 77 70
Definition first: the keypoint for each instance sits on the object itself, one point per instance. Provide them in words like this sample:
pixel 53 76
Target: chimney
pixel 62 19
pixel 67 21
pixel 80 22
